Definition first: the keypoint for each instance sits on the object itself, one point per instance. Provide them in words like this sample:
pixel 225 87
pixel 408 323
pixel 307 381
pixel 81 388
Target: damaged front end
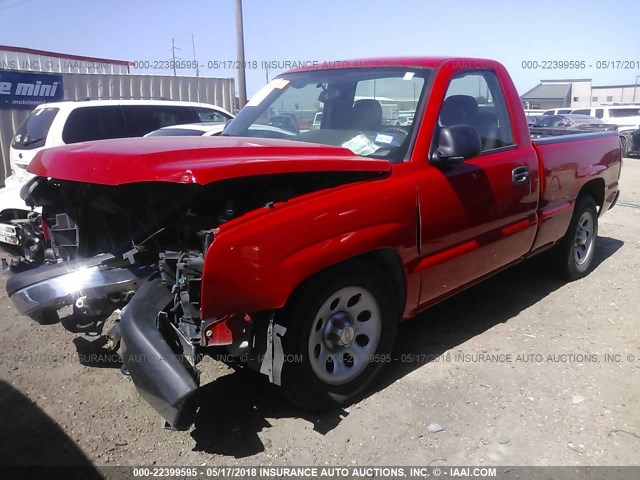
pixel 111 238
pixel 141 247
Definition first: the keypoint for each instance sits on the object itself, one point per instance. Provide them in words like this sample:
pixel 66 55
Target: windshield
pixel 369 111
pixel 33 131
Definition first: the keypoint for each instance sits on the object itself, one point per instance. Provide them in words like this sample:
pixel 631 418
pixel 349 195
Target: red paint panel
pixel 446 255
pixel 516 227
pixel 551 212
pixel 255 265
pixel 229 330
pixel 200 160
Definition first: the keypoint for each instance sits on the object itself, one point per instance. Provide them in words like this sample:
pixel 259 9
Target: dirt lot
pixel 515 371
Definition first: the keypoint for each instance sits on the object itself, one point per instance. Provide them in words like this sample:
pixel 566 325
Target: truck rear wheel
pixel 576 250
pixel 341 329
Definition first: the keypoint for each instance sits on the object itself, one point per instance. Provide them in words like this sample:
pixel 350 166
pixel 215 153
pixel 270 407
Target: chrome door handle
pixel 520 175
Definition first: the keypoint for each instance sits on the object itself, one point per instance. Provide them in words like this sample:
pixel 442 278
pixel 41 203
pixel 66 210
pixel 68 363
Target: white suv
pixel 61 123
pixel 627 117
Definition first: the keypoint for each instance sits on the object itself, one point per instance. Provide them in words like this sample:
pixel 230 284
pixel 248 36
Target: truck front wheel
pixel 340 332
pixel 576 250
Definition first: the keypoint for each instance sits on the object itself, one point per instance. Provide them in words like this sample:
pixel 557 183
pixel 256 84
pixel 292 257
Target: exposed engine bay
pixel 108 239
pixel 88 219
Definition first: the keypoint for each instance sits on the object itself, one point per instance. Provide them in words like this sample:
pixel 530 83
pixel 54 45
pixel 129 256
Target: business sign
pixel 19 90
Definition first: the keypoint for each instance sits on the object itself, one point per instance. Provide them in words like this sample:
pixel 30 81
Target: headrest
pixel 458 109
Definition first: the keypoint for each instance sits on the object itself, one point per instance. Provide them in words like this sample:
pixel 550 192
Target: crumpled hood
pixel 200 160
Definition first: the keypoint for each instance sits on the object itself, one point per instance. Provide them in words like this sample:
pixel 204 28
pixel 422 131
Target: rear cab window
pixel 32 133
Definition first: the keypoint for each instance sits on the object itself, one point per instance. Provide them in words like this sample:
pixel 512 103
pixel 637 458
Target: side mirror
pixel 456 144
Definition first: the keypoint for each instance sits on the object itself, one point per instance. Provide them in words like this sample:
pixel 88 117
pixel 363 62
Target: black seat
pixel 487 126
pixel 366 115
pixel 459 110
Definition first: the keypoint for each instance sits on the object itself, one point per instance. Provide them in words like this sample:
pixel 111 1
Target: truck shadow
pixel 500 298
pixel 33 440
pixel 236 407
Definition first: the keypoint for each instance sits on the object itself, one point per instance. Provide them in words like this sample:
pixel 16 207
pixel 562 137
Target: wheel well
pixel 385 259
pixel 595 189
pixel 390 262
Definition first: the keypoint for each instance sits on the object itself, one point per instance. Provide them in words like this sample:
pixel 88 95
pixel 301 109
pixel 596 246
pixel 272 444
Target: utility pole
pixel 242 83
pixel 193 46
pixel 173 55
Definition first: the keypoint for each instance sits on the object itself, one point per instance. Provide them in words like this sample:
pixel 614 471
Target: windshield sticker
pixel 264 92
pixel 281 83
pixel 408 76
pixel 383 138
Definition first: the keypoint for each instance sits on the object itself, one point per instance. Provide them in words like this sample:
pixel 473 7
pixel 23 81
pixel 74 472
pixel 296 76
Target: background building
pixel 578 93
pixel 48 76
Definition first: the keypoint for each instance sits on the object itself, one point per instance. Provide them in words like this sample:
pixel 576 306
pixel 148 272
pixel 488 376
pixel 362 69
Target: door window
pixel 475 98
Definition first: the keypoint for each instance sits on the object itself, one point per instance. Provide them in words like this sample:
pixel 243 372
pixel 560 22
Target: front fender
pixel 257 264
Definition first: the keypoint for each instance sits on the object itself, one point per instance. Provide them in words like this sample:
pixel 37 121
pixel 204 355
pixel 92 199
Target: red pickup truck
pixel 298 252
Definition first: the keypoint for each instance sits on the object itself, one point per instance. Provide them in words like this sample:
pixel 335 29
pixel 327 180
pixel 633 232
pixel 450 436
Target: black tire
pixel 575 252
pixel 300 383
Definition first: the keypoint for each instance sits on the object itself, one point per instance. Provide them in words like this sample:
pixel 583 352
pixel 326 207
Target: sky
pixel 511 32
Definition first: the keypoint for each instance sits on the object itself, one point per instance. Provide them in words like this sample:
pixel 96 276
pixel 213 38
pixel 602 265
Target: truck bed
pixel 566 162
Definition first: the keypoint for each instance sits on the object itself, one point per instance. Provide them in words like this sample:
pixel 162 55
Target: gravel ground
pixel 521 370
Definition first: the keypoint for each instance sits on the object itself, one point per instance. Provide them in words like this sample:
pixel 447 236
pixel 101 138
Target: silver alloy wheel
pixel 345 335
pixel 584 239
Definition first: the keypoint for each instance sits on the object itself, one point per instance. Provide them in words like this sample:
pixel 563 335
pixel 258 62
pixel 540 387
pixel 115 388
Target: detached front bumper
pixel 161 377
pixel 51 287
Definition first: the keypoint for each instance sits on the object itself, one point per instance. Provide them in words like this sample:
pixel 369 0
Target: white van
pixel 558 111
pixel 62 123
pixel 627 117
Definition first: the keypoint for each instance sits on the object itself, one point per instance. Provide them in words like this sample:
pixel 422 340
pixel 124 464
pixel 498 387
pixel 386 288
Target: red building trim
pixel 64 55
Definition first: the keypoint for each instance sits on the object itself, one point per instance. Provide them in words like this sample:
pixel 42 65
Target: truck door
pixel 479 215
